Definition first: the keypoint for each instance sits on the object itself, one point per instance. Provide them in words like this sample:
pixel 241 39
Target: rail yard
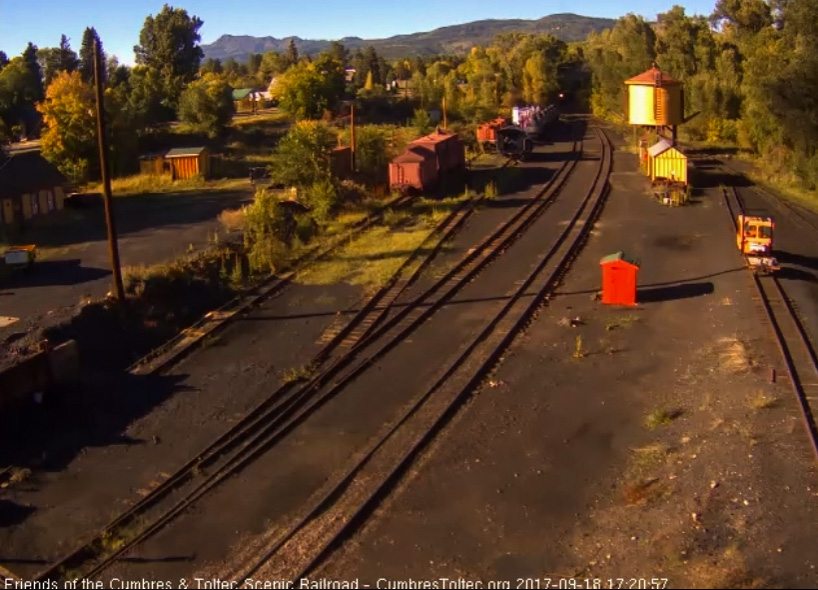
pixel 483 416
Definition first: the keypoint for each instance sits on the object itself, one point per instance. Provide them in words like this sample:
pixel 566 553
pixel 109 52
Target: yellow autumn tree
pixel 69 119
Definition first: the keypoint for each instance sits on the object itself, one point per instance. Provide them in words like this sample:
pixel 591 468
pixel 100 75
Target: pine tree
pixel 34 88
pixel 86 65
pixel 292 53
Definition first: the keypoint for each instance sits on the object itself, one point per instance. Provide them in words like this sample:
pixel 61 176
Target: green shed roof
pixel 181 152
pixel 241 93
pixel 619 256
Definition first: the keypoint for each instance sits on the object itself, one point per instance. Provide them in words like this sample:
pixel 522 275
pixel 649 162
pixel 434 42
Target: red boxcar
pixel 415 168
pixel 487 132
pixel 447 147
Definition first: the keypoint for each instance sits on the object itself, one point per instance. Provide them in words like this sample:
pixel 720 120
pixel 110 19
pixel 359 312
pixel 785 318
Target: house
pixel 666 161
pixel 30 186
pixel 243 99
pixel 188 162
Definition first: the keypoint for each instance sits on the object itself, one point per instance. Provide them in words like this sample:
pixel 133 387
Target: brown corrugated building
pixel 29 186
pixel 449 150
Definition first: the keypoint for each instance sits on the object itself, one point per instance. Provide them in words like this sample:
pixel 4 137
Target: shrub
pixel 232 219
pixel 421 122
pixel 351 192
pixel 322 197
pixel 207 106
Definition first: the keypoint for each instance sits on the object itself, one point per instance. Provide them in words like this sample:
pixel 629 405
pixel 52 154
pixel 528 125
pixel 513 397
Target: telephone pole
pixel 352 134
pixel 102 138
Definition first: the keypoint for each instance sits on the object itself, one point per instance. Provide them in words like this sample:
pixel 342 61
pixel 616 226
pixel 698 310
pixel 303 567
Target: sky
pixel 118 22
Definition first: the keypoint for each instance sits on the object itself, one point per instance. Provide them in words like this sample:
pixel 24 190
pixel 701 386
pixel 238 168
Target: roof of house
pixel 26 172
pixel 619 256
pixel 182 152
pixel 661 147
pixel 415 153
pixel 241 93
pixel 651 76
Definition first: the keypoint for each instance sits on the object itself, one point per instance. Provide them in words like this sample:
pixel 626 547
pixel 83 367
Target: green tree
pixel 169 43
pixel 292 53
pixel 300 158
pixel 57 59
pixel 34 88
pixel 4 60
pixel 207 105
pixel 306 90
pixel 86 56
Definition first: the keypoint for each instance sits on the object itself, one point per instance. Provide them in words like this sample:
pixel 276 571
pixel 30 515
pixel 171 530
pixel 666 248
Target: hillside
pixel 456 39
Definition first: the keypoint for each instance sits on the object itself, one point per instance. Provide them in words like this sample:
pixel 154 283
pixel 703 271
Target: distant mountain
pixel 456 39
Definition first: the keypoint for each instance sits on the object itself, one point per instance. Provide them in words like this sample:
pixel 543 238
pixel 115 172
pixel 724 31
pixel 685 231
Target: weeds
pixel 491 191
pixel 763 401
pixel 621 322
pixel 660 417
pixel 19 475
pixel 232 220
pixel 298 374
pixel 579 352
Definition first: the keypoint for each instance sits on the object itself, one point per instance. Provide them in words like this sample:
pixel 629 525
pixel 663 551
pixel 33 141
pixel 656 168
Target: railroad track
pixel 342 505
pixel 290 404
pixel 797 351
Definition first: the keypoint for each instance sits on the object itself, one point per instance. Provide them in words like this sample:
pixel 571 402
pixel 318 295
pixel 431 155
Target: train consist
pixel 426 161
pixel 535 120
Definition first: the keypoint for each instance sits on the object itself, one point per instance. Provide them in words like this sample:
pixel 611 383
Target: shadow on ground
pixel 55 272
pixel 38 436
pixel 132 214
pixel 673 292
pixel 796 259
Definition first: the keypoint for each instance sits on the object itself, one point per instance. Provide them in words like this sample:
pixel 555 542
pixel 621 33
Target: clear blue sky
pixel 119 21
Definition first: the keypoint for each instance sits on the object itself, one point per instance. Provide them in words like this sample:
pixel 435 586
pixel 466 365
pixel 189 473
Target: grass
pixel 622 322
pixel 733 356
pixel 232 219
pixel 763 401
pixel 369 260
pixel 649 457
pixel 19 475
pixel 145 184
pixel 660 417
pixel 298 374
pixel 579 351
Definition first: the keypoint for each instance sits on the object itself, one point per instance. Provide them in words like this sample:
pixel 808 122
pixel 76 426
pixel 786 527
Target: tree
pixel 169 43
pixel 212 66
pixel 207 105
pixel 58 59
pixel 306 90
pixel 338 52
pixel 272 63
pixel 292 53
pixel 4 60
pixel 86 65
pixel 69 140
pixel 35 74
pixel 300 157
pixel 146 100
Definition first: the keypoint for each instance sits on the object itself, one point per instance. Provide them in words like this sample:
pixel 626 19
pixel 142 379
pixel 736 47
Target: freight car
pixel 427 161
pixel 487 132
pixel 514 143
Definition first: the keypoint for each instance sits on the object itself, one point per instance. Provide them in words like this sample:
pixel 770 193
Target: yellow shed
pixel 667 162
pixel 655 99
pixel 189 162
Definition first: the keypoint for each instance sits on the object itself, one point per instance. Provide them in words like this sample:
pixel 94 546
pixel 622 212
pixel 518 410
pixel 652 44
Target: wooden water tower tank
pixel 654 99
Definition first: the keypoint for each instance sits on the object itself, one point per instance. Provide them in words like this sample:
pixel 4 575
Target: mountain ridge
pixel 451 39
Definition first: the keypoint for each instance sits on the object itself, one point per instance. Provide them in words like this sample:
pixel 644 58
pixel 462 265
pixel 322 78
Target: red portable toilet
pixel 619 279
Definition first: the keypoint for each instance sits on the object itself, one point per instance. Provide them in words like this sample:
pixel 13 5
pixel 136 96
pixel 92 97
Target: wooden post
pixel 102 138
pixel 352 135
pixel 445 121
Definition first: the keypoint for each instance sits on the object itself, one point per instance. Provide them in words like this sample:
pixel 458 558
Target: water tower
pixel 656 100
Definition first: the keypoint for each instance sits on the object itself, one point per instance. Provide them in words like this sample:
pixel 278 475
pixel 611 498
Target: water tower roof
pixel 649 78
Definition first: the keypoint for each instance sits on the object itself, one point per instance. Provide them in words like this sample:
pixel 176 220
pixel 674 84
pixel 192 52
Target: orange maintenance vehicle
pixel 754 238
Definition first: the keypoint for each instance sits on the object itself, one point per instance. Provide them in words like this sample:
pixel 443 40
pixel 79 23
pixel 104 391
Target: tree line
pixel 749 70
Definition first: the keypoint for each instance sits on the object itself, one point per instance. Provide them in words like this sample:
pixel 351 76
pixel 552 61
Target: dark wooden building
pixel 30 186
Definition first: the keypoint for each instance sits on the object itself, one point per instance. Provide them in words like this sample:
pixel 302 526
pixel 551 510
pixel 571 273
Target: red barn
pixel 415 168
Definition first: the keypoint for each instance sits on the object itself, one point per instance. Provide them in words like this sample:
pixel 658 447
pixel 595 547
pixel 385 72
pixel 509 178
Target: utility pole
pixel 445 121
pixel 102 138
pixel 352 133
